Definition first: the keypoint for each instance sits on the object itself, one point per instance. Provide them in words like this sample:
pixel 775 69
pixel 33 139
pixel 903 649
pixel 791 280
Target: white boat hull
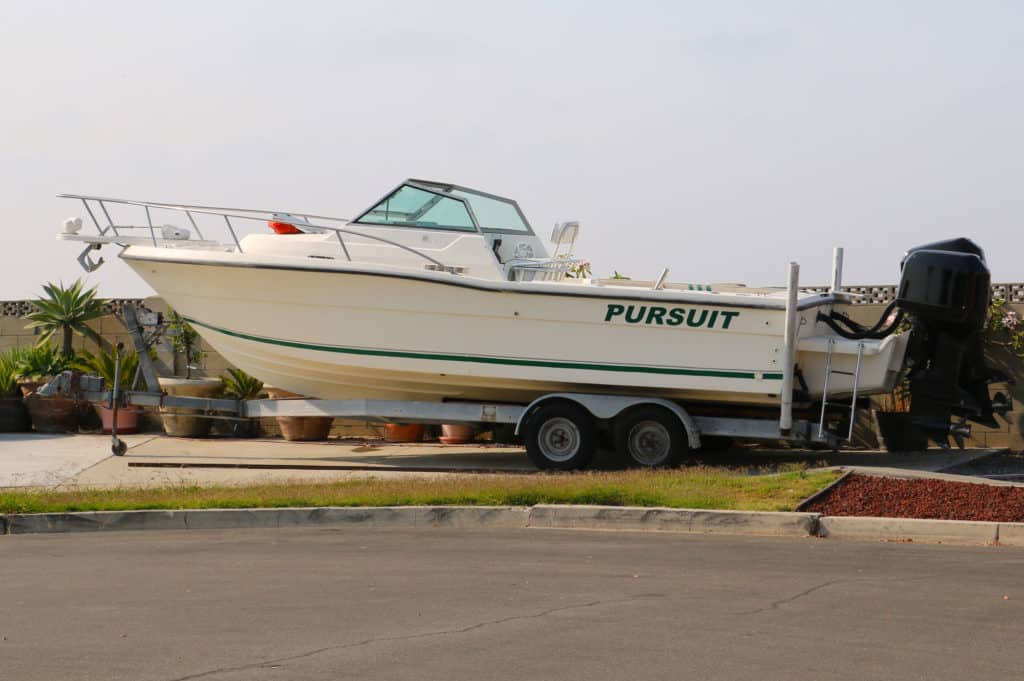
pixel 349 334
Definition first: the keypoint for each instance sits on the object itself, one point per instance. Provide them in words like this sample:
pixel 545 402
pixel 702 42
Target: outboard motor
pixel 945 288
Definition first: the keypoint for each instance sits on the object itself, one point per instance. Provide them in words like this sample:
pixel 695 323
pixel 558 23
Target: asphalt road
pixel 520 604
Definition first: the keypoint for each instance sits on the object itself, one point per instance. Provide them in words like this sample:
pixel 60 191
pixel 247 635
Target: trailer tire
pixel 649 436
pixel 561 436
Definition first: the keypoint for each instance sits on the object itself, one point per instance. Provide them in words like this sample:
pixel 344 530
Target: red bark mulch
pixel 865 495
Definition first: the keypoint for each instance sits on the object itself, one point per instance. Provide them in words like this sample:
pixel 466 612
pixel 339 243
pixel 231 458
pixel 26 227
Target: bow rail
pixel 117 232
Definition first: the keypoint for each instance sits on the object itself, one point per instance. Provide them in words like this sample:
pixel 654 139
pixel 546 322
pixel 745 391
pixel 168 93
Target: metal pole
pixel 109 221
pixel 343 249
pixel 856 384
pixel 194 225
pixel 789 350
pixel 232 230
pixel 115 390
pixel 824 391
pixel 116 445
pixel 94 221
pixel 152 232
pixel 837 270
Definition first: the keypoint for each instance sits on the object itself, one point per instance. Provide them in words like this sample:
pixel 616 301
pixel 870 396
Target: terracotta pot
pixel 14 416
pixel 178 421
pixel 456 433
pixel 401 432
pixel 299 428
pixel 29 387
pixel 127 419
pixel 53 414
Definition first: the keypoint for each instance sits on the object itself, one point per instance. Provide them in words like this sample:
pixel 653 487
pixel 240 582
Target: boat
pixel 440 292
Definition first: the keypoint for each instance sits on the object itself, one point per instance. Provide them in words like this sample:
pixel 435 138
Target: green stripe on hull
pixel 507 361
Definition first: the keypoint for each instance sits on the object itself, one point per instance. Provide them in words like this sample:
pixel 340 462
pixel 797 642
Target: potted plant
pixel 64 312
pixel 103 364
pixel 53 413
pixel 403 432
pixel 37 365
pixel 457 433
pixel 181 421
pixel 242 386
pixel 300 428
pixel 13 414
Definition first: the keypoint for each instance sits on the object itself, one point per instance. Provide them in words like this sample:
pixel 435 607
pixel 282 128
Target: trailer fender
pixel 610 406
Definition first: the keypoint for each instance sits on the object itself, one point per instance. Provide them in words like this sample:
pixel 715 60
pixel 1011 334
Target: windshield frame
pixel 443 190
pixel 410 225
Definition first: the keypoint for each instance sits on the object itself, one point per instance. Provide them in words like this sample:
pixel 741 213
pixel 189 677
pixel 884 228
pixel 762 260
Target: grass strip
pixel 701 487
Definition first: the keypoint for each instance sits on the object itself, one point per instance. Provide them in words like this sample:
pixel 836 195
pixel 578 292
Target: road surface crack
pixel 407 637
pixel 775 605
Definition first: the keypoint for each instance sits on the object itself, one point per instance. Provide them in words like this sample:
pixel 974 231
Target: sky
pixel 721 139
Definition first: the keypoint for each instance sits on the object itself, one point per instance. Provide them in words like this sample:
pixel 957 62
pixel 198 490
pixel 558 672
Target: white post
pixel 837 270
pixel 789 350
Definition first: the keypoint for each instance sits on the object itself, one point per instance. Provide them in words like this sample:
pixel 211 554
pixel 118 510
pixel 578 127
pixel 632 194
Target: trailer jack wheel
pixel 650 437
pixel 118 447
pixel 560 436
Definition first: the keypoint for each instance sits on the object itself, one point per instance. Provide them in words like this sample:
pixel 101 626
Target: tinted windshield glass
pixel 492 213
pixel 412 207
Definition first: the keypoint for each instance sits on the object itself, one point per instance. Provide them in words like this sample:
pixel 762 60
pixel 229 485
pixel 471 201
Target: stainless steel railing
pixel 304 221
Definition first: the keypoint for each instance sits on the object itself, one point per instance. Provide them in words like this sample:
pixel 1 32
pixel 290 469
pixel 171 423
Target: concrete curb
pixel 615 518
pixel 673 520
pixel 543 516
pixel 909 529
pixel 921 530
pixel 243 518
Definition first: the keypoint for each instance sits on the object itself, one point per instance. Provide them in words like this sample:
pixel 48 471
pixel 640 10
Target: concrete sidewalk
pixel 41 460
pixel 38 460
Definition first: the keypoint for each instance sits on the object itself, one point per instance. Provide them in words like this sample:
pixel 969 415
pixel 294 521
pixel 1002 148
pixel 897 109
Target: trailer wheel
pixel 651 437
pixel 560 436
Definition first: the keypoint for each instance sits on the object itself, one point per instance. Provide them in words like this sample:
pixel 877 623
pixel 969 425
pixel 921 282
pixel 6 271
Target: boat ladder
pixel 829 371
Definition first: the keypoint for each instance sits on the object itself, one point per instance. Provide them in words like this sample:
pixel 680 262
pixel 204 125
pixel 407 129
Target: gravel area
pixel 865 495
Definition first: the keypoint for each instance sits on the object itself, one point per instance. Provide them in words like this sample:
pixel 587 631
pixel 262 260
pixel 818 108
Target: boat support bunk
pixel 560 430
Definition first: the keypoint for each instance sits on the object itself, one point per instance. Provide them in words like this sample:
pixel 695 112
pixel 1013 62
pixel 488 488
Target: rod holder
pixel 789 350
pixel 837 270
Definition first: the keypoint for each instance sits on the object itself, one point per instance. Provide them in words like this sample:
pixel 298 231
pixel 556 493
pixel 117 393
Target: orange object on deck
pixel 284 227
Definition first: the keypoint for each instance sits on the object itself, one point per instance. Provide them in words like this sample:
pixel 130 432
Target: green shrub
pixel 42 361
pixel 9 372
pixel 103 364
pixel 241 385
pixel 185 340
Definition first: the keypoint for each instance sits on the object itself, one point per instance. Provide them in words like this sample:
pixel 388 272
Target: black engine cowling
pixel 945 287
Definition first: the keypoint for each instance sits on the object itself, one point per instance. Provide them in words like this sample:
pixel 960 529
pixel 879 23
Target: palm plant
pixel 9 362
pixel 241 385
pixel 41 361
pixel 67 310
pixel 104 364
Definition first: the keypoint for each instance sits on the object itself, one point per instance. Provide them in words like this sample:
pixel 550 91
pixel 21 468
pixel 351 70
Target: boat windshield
pixel 433 205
